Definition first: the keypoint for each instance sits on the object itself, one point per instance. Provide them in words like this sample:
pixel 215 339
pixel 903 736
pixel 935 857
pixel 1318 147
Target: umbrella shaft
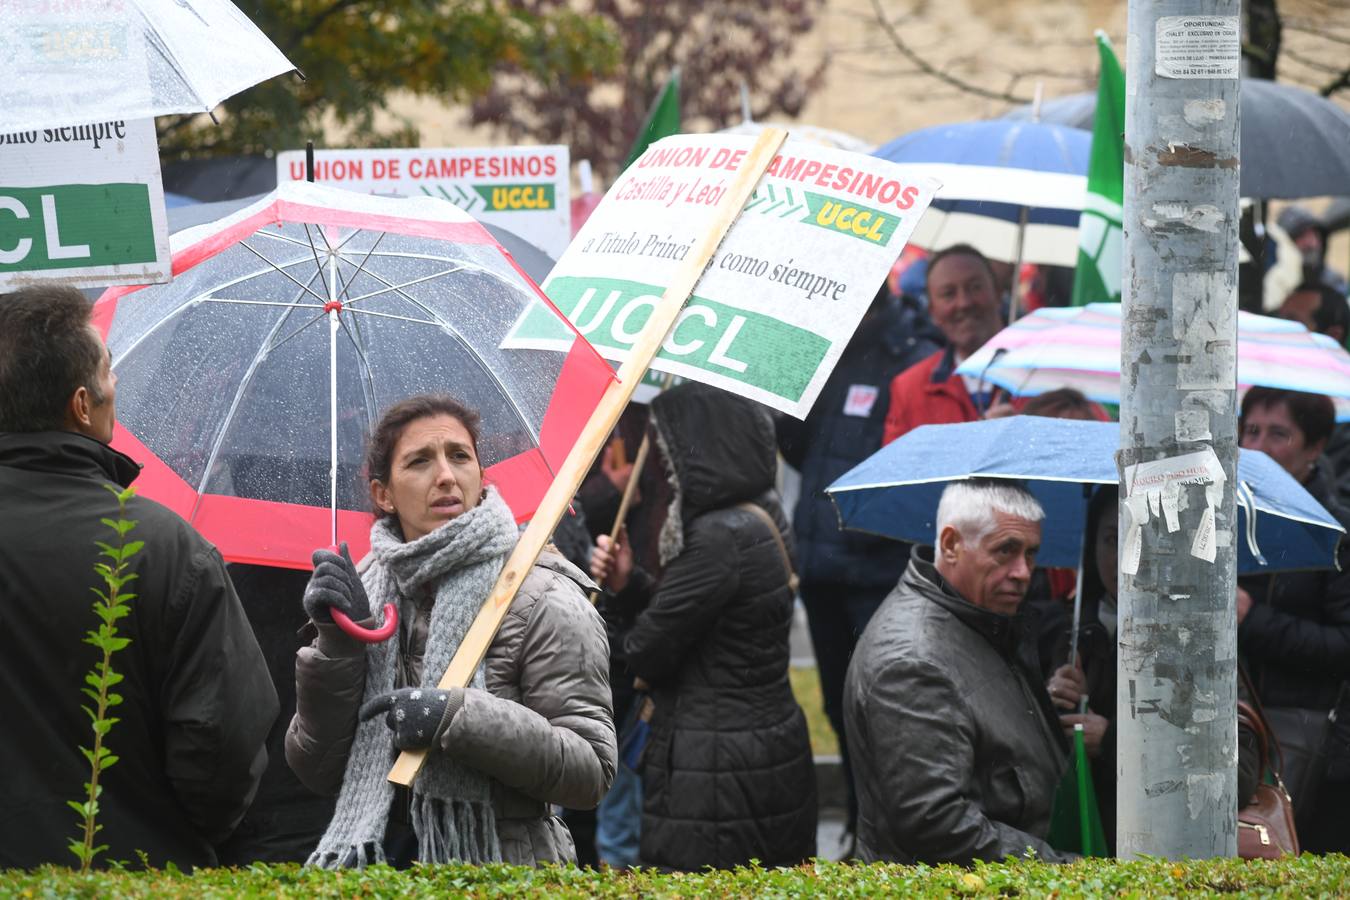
pixel 332 421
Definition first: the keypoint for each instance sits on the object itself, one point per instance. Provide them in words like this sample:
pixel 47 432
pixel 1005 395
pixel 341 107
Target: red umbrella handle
pixel 368 635
pixel 364 635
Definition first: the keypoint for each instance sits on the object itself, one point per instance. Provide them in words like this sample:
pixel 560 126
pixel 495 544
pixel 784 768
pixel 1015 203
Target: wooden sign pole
pixel 629 491
pixel 606 415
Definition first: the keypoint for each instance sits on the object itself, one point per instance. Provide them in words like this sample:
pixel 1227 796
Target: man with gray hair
pixel 957 750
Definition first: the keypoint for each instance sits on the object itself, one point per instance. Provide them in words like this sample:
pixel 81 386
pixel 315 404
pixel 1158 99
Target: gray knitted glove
pixel 418 716
pixel 335 584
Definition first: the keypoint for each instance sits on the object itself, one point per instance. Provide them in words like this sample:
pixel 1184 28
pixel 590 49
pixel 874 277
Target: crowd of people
pixel 656 726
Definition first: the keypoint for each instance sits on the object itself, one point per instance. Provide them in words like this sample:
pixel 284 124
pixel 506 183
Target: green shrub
pixel 113 603
pixel 1307 876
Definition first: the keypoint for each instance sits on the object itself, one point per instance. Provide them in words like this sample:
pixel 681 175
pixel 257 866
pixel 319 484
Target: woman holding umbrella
pixel 1084 691
pixel 533 728
pixel 1294 629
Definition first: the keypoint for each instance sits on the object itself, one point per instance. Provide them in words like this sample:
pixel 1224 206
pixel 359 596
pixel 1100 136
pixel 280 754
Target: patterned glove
pixel 335 584
pixel 417 716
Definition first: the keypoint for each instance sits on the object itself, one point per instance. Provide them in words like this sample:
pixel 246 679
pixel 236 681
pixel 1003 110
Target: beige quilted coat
pixel 543 730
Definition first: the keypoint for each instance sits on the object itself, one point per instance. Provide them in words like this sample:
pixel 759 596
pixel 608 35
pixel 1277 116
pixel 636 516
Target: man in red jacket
pixel 963 302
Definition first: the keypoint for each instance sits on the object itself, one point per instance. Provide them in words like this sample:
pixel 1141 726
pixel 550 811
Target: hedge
pixel 1307 876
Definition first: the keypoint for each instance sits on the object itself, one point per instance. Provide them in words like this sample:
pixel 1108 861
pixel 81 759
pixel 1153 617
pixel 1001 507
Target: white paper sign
pixel 782 295
pixel 526 190
pixel 1154 488
pixel 83 206
pixel 1198 46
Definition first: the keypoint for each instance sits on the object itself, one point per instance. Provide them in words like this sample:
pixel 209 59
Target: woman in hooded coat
pixel 727 770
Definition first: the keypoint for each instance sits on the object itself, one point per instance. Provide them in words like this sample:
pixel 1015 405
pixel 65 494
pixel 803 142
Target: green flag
pixel 1075 820
pixel 1101 243
pixel 663 119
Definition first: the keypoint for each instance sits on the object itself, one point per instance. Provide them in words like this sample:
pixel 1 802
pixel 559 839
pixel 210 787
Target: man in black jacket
pixel 197 700
pixel 956 748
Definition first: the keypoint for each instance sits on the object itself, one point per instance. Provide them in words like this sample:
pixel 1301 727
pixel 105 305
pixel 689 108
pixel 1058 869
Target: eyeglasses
pixel 1274 435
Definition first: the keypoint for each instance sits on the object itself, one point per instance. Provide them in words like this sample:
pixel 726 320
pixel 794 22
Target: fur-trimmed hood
pixel 718 449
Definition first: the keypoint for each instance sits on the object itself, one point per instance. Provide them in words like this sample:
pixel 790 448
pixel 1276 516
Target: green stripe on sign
pixel 744 346
pixel 516 197
pixel 71 226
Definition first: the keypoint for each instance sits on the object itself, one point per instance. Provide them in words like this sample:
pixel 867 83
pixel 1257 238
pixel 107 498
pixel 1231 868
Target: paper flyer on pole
pixel 783 294
pixel 526 190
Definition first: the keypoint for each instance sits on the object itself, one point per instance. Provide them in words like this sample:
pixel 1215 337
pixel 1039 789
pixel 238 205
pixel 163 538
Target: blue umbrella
pixel 998 144
pixel 1007 186
pixel 895 491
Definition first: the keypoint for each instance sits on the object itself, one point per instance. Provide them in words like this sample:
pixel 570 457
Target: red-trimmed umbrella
pixel 248 386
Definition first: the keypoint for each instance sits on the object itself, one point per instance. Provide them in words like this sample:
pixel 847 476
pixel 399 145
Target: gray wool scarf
pixel 451 803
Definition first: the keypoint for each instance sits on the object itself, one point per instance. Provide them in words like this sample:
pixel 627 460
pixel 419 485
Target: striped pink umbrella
pixel 1079 347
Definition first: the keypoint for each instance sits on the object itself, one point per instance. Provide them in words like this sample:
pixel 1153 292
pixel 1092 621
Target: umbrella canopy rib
pixel 368 385
pixel 392 288
pixel 360 267
pixel 383 315
pixel 281 271
pixel 287 239
pixel 156 41
pixel 258 357
pixel 307 324
pixel 203 297
pixel 261 303
pixel 473 354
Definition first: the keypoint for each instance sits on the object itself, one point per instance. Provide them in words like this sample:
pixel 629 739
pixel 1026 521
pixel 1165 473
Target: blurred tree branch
pixel 356 53
pixel 904 49
pixel 718 45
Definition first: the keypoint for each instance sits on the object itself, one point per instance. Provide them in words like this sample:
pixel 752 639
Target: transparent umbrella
pixel 248 386
pixel 85 63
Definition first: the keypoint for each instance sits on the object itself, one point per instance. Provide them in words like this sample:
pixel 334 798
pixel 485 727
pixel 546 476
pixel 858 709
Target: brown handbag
pixel 1266 825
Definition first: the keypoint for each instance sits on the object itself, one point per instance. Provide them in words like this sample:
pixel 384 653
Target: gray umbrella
pixel 1294 143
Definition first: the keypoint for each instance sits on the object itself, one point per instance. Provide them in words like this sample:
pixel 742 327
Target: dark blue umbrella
pixel 895 491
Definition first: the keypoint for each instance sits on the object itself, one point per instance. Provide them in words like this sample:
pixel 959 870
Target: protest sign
pixel 660 320
pixel 525 190
pixel 83 206
pixel 782 295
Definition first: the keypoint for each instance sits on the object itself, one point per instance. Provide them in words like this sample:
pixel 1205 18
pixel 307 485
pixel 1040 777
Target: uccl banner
pixel 783 293
pixel 83 206
pixel 525 190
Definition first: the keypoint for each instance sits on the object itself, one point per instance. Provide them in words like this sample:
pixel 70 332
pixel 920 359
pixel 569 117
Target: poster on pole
pixel 784 292
pixel 526 190
pixel 83 206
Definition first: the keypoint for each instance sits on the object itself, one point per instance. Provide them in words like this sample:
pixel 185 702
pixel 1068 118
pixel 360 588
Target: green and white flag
pixel 663 119
pixel 1101 244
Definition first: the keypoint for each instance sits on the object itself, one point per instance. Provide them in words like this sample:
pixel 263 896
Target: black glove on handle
pixel 417 716
pixel 335 584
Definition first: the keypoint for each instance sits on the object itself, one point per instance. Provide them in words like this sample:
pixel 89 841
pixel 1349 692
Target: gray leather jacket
pixel 955 748
pixel 543 730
